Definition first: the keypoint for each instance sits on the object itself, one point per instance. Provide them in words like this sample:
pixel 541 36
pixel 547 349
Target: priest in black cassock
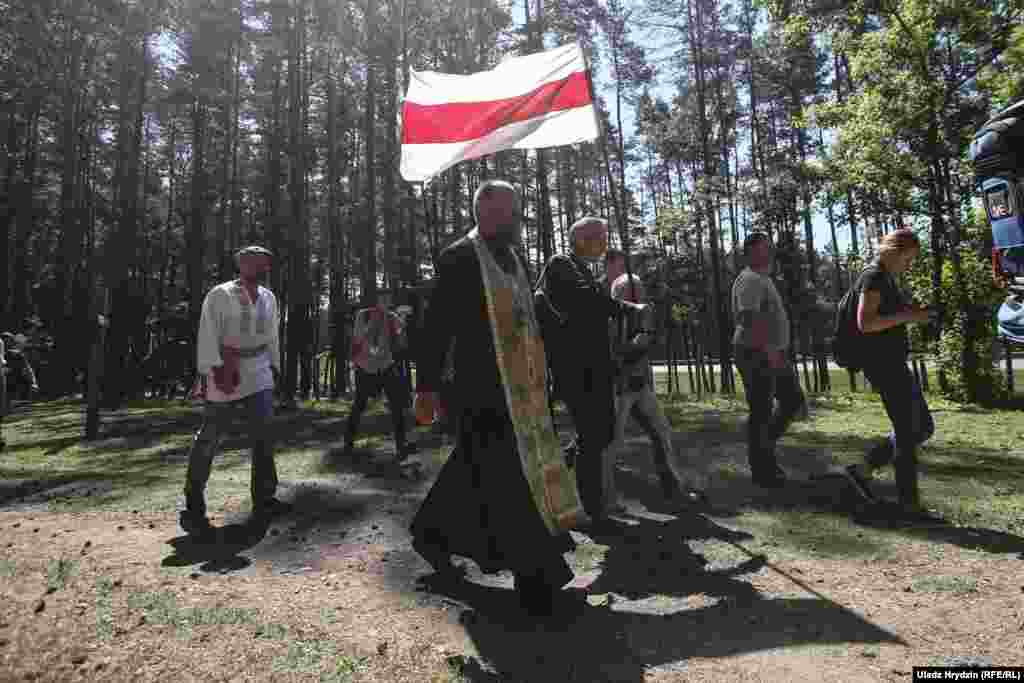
pixel 505 498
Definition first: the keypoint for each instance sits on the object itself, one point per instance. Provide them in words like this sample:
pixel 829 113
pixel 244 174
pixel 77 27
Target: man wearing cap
pixel 761 341
pixel 377 338
pixel 238 357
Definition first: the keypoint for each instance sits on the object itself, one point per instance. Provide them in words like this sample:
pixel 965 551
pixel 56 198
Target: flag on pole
pixel 540 100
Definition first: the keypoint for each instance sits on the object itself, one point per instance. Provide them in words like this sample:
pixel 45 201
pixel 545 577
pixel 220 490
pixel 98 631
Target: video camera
pixel 997 153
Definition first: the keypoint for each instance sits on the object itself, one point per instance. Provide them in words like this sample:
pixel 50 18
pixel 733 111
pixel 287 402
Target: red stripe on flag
pixel 424 124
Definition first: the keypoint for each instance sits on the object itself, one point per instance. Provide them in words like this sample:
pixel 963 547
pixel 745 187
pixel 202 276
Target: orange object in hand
pixel 426 407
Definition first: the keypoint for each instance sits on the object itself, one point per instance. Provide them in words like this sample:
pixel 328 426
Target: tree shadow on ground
pixel 648 557
pixel 817 485
pixel 129 456
pixel 609 643
pixel 40 486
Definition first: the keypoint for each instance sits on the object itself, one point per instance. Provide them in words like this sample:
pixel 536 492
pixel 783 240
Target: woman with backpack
pixel 882 349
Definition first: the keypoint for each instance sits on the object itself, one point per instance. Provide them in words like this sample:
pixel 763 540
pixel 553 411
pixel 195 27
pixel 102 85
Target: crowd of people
pixel 495 343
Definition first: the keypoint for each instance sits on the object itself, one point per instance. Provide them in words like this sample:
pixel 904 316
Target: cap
pixel 254 249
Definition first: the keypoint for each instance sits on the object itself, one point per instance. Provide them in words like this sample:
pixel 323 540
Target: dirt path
pixel 333 592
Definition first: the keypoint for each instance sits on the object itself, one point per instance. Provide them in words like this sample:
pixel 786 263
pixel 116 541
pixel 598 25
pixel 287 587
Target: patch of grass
pixel 220 616
pixel 329 616
pixel 58 572
pixel 158 607
pixel 959 585
pixel 8 568
pixel 972 470
pixel 305 656
pixel 344 668
pixel 104 613
pixel 162 608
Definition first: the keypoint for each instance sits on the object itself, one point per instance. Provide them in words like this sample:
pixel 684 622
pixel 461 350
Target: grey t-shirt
pixel 755 292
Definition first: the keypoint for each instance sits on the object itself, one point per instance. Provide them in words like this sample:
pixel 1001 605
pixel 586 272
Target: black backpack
pixel 847 339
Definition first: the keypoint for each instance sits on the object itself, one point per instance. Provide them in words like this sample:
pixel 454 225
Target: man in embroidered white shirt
pixel 238 356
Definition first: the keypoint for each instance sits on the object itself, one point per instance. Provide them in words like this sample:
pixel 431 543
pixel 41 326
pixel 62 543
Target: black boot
pixel 195 524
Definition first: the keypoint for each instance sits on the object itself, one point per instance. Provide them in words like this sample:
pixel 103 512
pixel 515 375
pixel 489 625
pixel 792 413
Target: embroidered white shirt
pixel 231 319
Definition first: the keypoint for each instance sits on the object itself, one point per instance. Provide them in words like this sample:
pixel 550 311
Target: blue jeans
pixel 257 410
pixel 911 421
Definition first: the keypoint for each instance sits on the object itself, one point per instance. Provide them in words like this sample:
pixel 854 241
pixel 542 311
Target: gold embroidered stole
pixel 523 368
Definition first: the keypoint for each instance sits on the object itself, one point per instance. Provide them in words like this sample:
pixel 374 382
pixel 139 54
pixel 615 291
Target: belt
pixel 246 353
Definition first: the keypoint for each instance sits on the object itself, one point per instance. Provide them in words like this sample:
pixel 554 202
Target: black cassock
pixel 480 507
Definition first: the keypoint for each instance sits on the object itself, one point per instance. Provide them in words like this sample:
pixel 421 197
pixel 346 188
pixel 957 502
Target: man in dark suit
pixel 580 357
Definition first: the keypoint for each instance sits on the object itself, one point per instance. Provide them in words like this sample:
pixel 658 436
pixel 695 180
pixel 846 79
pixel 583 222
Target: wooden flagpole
pixel 616 203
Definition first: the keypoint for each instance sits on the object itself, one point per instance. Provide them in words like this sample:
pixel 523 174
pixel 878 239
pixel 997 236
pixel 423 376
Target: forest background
pixel 142 141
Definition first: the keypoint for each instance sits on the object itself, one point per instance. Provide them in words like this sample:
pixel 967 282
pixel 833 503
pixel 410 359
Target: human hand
pixel 425 407
pixel 919 314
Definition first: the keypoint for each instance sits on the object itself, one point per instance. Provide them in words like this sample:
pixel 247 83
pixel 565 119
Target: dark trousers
pixel 911 421
pixel 590 399
pixel 369 385
pixel 764 385
pixel 257 410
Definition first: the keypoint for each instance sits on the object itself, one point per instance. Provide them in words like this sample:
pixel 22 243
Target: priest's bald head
pixel 496 210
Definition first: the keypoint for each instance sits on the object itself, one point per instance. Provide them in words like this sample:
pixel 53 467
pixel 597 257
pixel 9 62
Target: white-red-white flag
pixel 540 100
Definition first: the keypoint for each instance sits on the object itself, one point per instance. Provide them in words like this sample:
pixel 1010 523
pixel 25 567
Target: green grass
pixel 972 471
pixel 960 585
pixel 104 609
pixel 8 568
pixel 162 608
pixel 57 574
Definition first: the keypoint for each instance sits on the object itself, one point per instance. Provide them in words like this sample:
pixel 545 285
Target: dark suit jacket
pixel 588 306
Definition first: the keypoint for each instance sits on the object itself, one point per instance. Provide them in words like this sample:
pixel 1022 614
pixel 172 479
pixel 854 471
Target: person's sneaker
pixel 195 525
pixel 859 483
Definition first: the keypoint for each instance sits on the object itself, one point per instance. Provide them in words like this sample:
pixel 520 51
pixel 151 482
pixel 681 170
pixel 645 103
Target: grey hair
pixel 622 282
pixel 581 223
pixel 485 189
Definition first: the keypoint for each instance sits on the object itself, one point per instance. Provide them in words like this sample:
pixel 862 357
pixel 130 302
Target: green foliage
pixel 1004 80
pixel 969 309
